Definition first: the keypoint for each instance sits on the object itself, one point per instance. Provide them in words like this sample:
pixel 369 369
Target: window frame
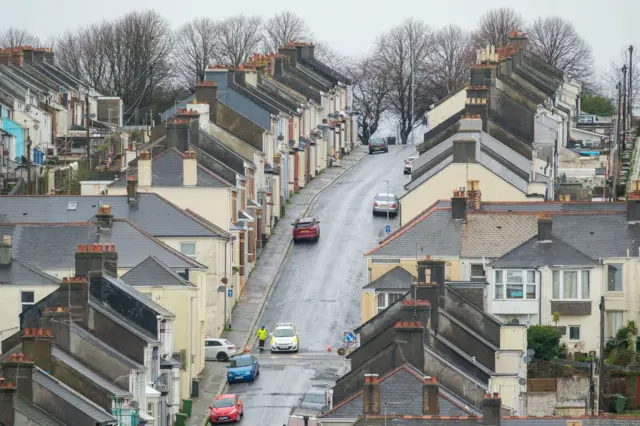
pixel 620 272
pixel 24 304
pixel 386 295
pixel 386 261
pixel 477 277
pixel 569 328
pixel 608 324
pixel 580 274
pixel 525 283
pixel 195 249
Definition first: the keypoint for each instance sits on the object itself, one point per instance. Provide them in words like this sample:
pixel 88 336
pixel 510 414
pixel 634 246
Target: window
pixel 614 322
pixel 27 299
pixel 515 284
pixel 571 285
pixel 385 260
pixel 188 249
pixel 386 299
pixel 574 332
pixel 150 409
pixel 477 272
pixel 614 277
pixel 212 343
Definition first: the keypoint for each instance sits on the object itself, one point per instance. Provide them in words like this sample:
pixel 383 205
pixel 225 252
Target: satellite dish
pixel 134 404
pixel 527 359
pixel 531 352
pixel 522 381
pixel 36 126
pixel 514 322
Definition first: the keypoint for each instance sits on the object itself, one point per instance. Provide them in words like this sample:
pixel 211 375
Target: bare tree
pixel 370 85
pixel 14 37
pixel 612 76
pixel 452 57
pixel 282 28
pixel 404 52
pixel 240 37
pixel 82 54
pixel 196 47
pixel 329 56
pixel 557 42
pixel 494 27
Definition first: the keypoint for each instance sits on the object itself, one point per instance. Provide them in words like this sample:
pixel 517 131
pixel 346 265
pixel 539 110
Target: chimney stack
pixel 491 410
pixel 37 344
pixel 207 92
pixel 190 172
pixel 289 51
pixel 416 310
pixel 144 169
pixel 633 203
pixel 74 291
pixel 410 338
pixel 473 193
pixel 7 412
pixel 371 395
pixel 430 397
pixel 459 205
pixel 96 260
pixel 58 320
pixel 544 227
pixel 5 250
pixel 19 371
pixel 132 190
pixel 104 218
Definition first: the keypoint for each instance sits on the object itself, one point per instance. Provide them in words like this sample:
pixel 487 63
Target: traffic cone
pixel 329 348
pixel 246 349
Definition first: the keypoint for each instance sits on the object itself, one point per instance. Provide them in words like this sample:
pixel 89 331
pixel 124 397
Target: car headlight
pixel 233 411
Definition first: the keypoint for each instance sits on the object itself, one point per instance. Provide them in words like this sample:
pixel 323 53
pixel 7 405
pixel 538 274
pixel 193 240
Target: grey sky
pixel 349 26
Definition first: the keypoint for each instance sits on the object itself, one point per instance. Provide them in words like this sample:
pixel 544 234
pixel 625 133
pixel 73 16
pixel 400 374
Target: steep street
pixel 318 289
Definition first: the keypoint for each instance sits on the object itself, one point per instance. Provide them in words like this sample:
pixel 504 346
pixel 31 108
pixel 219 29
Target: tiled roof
pixel 20 273
pixel 493 235
pixel 167 171
pixel 48 246
pixel 533 253
pixel 151 212
pixel 135 294
pixel 73 398
pixel 396 279
pixel 152 272
pixel 33 413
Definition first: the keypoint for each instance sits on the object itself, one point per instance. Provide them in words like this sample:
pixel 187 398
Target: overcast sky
pixel 349 26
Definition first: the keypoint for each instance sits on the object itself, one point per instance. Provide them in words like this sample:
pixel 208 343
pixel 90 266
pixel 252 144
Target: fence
pixel 542 385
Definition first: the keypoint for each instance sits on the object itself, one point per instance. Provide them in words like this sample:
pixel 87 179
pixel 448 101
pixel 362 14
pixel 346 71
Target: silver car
pixel 285 338
pixel 386 204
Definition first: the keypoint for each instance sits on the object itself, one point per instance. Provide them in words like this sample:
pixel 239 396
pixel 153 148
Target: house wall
pixel 568 389
pixel 446 109
pixel 18 132
pixel 624 301
pixel 11 306
pixel 453 177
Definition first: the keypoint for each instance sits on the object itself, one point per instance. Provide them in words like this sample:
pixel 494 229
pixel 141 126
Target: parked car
pixel 386 204
pixel 243 368
pixel 314 400
pixel 226 408
pixel 407 164
pixel 378 145
pixel 306 228
pixel 218 349
pixel 285 338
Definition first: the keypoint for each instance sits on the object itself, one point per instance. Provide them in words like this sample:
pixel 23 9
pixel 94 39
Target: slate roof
pixel 553 206
pixel 142 298
pixel 431 233
pixel 400 393
pixel 20 273
pixel 152 272
pixel 505 421
pixel 73 398
pixel 106 348
pixel 152 213
pixel 533 253
pixel 48 246
pixel 396 279
pixel 89 374
pixel 33 413
pixel 167 171
pixel 493 235
pixel 122 321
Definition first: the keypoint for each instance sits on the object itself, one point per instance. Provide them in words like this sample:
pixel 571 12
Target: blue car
pixel 243 368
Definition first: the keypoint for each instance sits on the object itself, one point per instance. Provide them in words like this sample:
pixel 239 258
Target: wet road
pixel 318 289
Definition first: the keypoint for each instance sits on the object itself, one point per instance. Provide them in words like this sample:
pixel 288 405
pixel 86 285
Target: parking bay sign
pixel 349 337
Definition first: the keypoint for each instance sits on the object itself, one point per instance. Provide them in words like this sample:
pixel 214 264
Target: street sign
pixel 388 229
pixel 349 337
pixel 230 292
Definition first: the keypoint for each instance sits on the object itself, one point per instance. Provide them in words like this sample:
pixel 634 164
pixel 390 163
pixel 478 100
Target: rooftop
pixel 152 272
pixel 396 279
pixel 20 273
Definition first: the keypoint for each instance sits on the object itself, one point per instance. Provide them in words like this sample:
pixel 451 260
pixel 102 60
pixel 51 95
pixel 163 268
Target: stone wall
pixel 570 391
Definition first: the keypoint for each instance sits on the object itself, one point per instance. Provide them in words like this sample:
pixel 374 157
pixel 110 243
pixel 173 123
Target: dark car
pixel 378 145
pixel 306 228
pixel 313 402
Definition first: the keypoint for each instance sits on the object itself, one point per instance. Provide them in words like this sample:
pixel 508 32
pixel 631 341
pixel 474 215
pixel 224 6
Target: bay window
pixel 572 285
pixel 387 299
pixel 515 284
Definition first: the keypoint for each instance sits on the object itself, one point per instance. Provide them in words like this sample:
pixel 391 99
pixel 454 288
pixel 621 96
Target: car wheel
pixel 222 356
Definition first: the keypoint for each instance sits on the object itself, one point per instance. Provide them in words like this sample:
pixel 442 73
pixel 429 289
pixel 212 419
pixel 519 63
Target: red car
pixel 306 228
pixel 226 408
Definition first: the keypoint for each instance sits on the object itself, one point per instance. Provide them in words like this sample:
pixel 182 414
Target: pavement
pixel 262 282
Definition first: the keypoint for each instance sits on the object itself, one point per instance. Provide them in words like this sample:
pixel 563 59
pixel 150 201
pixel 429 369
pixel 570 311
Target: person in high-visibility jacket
pixel 262 336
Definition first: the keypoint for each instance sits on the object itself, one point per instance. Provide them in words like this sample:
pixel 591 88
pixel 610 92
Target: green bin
pixel 181 419
pixel 187 406
pixel 620 403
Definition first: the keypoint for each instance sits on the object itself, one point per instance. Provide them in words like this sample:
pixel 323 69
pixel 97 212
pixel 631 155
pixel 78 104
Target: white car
pixel 285 338
pixel 407 164
pixel 218 349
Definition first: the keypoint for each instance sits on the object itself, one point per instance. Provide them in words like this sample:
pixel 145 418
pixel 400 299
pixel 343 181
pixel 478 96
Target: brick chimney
pixel 518 39
pixel 190 172
pixel 207 92
pixel 58 320
pixel 38 56
pixel 27 54
pixel 410 340
pixel 311 49
pixel 144 169
pixel 371 395
pixel 179 133
pixel 278 66
pixel 474 194
pixel 416 310
pixel 544 227
pixel 633 203
pixel 7 412
pixel 19 371
pixel 17 57
pixel 459 205
pixel 430 397
pixel 37 344
pixel 74 291
pixel 132 190
pixel 96 259
pixel 6 250
pixel 289 50
pixel 491 410
pixel 104 217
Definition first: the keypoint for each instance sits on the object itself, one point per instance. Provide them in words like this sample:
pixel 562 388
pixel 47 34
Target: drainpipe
pixel 225 280
pixel 190 357
pixel 539 295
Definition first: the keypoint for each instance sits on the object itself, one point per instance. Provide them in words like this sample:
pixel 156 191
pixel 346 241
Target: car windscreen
pixel 314 398
pixel 241 362
pixel 304 224
pixel 224 402
pixel 377 142
pixel 385 198
pixel 284 332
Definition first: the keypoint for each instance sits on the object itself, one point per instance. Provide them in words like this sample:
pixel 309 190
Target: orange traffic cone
pixel 329 348
pixel 246 349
